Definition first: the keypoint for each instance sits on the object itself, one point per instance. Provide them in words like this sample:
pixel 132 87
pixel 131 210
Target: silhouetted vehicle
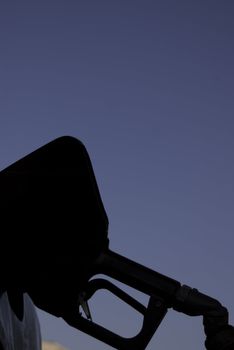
pixel 18 332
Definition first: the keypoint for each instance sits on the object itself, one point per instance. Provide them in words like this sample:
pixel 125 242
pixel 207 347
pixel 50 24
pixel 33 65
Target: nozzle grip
pixel 153 315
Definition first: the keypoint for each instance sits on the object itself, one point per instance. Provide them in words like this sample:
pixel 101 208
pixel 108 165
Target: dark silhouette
pixel 219 334
pixel 50 199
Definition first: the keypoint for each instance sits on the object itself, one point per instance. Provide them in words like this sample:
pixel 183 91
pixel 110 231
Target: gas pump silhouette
pixel 53 214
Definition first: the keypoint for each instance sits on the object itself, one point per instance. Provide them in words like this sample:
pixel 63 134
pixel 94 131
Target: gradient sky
pixel 148 87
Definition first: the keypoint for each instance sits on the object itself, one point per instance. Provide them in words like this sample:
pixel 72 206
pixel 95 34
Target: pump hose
pixel 219 334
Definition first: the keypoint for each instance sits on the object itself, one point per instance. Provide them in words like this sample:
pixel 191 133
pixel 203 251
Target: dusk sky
pixel 148 87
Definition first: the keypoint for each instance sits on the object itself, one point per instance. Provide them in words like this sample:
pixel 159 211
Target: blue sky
pixel 148 87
